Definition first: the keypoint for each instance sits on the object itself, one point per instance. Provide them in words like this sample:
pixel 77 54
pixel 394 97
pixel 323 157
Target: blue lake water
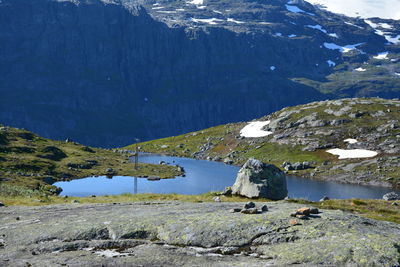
pixel 204 176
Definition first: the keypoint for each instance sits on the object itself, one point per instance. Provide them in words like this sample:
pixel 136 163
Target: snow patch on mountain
pixel 331 63
pixel 212 21
pixel 254 129
pixel 296 9
pixel 235 21
pixel 387 9
pixel 383 55
pixel 360 69
pixel 343 49
pixel 352 153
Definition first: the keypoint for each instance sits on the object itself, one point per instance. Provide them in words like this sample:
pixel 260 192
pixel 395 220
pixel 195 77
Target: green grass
pixel 29 161
pixel 50 200
pixel 224 139
pixel 370 208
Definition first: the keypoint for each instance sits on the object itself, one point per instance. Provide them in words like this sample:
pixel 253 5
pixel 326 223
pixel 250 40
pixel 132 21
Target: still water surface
pixel 205 176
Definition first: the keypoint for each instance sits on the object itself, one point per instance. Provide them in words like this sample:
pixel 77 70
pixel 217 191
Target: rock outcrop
pixel 259 180
pixel 191 234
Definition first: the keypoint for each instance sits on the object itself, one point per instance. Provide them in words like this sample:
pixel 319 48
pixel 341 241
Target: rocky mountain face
pixel 353 140
pixel 106 72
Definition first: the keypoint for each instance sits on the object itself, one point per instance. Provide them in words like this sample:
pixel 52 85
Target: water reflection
pixel 205 176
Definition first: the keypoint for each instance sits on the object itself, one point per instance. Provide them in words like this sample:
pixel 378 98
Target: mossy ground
pixel 29 163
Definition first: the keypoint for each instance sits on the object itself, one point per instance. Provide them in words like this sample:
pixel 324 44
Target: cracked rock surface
pixel 190 234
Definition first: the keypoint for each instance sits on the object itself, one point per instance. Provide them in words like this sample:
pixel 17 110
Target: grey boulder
pixel 391 196
pixel 259 180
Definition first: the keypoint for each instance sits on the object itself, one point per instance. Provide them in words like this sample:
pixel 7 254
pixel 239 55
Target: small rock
pixel 301 217
pixel 17 218
pixel 228 161
pixel 391 196
pixel 303 211
pixel 314 211
pixel 227 191
pixel 1 204
pixel 294 222
pixel 249 211
pixel 395 204
pixel 249 205
pixel 293 214
pixel 217 199
pixel 234 210
pixel 264 208
pixel 324 198
pixel 109 170
pixel 75 201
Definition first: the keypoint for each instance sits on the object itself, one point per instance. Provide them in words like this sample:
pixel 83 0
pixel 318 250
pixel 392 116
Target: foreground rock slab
pixel 191 234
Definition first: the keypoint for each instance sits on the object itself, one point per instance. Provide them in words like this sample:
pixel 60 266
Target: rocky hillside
pixel 192 234
pixel 106 71
pixel 355 140
pixel 30 164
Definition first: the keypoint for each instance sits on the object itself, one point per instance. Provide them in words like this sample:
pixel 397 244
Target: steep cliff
pixel 105 72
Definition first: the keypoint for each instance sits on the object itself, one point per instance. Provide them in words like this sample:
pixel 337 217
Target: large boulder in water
pixel 257 179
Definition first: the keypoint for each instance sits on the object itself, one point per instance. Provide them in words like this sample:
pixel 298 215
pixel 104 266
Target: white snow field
pixel 343 49
pixel 254 129
pixel 352 153
pixel 196 2
pixel 387 9
pixel 383 55
pixel 360 69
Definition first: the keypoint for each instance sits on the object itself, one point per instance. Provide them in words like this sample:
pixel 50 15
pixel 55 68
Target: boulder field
pixel 192 234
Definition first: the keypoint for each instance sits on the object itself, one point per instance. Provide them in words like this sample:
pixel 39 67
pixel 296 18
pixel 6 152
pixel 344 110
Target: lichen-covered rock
pixel 191 234
pixel 391 196
pixel 259 180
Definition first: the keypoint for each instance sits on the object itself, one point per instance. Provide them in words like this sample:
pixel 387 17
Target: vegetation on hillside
pixel 29 164
pixel 304 134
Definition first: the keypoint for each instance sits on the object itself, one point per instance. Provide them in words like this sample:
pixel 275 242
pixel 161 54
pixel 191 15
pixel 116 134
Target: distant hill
pixel 316 140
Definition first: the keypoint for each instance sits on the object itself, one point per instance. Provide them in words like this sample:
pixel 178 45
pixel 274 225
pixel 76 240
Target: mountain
pixel 30 164
pixel 106 72
pixel 353 140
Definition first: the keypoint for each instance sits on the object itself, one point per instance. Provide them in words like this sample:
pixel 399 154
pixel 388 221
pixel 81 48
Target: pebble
pixel 301 217
pixel 249 211
pixel 314 211
pixel 249 205
pixel 324 198
pixel 294 222
pixel 217 199
pixel 303 211
pixel 264 208
pixel 234 210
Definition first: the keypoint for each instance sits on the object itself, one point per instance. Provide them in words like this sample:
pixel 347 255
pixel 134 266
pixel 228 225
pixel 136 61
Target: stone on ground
pixel 259 180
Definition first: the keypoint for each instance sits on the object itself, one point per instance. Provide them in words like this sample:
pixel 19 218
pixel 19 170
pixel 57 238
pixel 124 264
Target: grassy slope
pixel 27 160
pixel 224 140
